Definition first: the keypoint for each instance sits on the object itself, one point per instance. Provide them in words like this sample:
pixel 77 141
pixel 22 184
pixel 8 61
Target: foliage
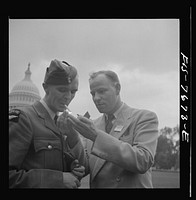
pixel 167 153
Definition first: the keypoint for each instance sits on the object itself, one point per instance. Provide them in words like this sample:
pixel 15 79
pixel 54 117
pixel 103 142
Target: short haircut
pixel 108 73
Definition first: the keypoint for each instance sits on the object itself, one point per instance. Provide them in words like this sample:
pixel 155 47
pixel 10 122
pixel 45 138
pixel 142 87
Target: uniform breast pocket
pixel 48 153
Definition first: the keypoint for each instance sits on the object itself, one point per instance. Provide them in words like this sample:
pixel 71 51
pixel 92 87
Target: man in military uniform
pixel 45 152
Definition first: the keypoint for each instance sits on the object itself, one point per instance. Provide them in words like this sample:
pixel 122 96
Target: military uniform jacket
pixel 38 153
pixel 123 158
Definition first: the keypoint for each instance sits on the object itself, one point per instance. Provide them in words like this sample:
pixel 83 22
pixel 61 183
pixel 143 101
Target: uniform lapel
pixel 119 127
pixel 48 122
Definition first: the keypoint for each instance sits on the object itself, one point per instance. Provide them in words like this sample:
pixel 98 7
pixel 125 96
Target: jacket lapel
pixel 96 161
pixel 121 124
pixel 42 113
pixel 118 129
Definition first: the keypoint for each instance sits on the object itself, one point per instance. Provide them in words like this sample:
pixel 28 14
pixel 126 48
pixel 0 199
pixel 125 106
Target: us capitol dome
pixel 24 93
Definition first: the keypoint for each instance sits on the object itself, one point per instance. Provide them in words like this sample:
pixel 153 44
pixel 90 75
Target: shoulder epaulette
pixel 14 115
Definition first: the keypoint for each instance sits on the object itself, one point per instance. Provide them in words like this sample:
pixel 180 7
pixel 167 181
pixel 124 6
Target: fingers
pixel 76 123
pixel 81 127
pixel 76 161
pixel 84 119
pixel 76 180
pixel 79 172
pixel 79 120
pixel 71 125
pixel 80 169
pixel 73 118
pixel 77 169
pixel 74 164
pixel 65 113
pixel 70 180
pixel 71 122
pixel 79 175
pixel 62 120
pixel 63 116
pixel 78 184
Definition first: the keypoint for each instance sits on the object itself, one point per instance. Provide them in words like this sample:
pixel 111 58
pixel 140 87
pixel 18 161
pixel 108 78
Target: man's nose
pixel 67 95
pixel 96 97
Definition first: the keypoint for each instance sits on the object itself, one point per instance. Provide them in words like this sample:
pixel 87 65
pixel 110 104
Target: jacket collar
pixel 51 113
pixel 121 123
pixel 116 112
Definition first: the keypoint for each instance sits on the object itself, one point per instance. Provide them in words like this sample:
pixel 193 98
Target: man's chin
pixel 100 110
pixel 61 109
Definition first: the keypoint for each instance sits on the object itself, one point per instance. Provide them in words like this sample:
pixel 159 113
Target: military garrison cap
pixel 59 73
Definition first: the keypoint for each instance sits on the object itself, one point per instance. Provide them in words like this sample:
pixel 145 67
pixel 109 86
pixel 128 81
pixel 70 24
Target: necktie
pixel 55 118
pixel 108 124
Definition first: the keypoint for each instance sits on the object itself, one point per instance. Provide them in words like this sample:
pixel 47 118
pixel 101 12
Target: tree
pixel 167 153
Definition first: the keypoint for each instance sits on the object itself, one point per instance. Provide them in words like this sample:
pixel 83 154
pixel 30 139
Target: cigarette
pixel 67 110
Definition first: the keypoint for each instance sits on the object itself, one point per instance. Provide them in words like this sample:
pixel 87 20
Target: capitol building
pixel 24 93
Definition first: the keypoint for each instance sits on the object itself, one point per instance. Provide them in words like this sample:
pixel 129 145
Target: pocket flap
pixel 41 144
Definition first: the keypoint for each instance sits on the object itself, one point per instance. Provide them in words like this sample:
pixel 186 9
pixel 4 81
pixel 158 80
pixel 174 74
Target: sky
pixel 143 52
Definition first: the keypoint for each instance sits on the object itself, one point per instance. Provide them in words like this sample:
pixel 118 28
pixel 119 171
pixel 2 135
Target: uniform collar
pixel 51 113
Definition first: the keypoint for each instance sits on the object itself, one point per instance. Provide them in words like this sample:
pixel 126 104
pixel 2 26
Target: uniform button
pixel 118 179
pixel 49 146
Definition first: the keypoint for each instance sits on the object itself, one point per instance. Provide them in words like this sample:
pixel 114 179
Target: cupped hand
pixel 62 123
pixel 77 169
pixel 84 126
pixel 70 181
pixel 65 126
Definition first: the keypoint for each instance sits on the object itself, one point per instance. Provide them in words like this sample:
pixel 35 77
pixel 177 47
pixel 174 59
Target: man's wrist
pixel 93 137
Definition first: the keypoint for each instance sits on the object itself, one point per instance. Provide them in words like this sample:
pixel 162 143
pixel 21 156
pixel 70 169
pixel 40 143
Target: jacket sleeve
pixel 136 153
pixel 78 153
pixel 20 136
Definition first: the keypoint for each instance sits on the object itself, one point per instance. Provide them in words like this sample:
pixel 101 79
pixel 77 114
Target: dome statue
pixel 24 93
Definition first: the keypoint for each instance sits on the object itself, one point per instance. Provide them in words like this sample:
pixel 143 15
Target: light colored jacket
pixel 123 158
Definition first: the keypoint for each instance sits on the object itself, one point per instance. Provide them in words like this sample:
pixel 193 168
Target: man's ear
pixel 118 87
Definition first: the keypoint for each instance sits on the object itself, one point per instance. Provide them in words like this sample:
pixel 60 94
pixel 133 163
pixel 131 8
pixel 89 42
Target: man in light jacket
pixel 122 142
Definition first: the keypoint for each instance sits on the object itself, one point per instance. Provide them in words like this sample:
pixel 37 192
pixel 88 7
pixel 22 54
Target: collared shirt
pixel 51 113
pixel 116 112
